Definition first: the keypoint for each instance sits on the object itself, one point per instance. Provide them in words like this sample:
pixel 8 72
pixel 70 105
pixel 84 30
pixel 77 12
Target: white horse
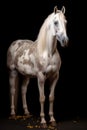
pixel 38 59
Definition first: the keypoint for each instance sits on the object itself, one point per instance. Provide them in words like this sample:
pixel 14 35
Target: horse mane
pixel 42 34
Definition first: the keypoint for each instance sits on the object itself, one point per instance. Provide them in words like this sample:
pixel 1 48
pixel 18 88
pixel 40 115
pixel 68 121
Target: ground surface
pixel 33 123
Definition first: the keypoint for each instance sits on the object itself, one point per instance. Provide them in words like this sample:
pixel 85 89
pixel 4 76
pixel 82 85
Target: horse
pixel 40 59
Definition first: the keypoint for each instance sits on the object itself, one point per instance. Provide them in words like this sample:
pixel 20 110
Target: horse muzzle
pixel 64 41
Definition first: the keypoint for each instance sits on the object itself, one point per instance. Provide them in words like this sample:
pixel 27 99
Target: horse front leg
pixel 24 91
pixel 41 81
pixel 53 81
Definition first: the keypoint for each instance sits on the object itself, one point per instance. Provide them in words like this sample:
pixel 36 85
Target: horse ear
pixel 55 9
pixel 63 10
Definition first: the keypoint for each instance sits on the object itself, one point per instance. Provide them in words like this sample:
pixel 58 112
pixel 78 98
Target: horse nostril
pixel 65 41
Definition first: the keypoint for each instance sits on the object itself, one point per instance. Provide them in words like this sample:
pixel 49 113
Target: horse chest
pixel 48 64
pixel 51 67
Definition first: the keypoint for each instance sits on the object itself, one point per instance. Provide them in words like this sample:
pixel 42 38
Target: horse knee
pixel 13 73
pixel 12 90
pixel 51 98
pixel 42 99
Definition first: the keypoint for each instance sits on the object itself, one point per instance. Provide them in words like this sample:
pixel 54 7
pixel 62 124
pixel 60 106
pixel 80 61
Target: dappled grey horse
pixel 40 59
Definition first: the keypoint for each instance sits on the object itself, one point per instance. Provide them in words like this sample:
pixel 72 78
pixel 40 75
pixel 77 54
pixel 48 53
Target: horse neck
pixel 51 43
pixel 46 43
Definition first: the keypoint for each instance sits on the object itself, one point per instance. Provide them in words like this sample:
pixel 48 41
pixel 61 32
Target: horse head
pixel 58 26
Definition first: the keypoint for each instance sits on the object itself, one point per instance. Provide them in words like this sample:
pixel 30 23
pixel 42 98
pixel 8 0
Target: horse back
pixel 16 48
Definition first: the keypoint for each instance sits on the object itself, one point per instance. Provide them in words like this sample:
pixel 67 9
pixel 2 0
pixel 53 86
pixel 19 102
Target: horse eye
pixel 56 23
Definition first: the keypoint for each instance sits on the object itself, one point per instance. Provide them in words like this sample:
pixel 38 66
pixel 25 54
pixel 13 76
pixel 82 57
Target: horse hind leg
pixel 24 91
pixel 13 81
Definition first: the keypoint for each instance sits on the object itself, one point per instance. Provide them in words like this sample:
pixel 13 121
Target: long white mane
pixel 43 32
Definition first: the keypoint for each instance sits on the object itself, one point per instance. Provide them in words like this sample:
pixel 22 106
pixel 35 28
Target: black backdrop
pixel 22 20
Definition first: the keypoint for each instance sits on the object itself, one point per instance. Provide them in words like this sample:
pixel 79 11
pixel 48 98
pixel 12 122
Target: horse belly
pixel 25 69
pixel 25 66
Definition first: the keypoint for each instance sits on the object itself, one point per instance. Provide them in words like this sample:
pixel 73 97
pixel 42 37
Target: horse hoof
pixel 53 123
pixel 12 117
pixel 43 125
pixel 27 116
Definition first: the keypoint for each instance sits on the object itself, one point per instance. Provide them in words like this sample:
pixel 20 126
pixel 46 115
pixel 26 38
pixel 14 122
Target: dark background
pixel 22 20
